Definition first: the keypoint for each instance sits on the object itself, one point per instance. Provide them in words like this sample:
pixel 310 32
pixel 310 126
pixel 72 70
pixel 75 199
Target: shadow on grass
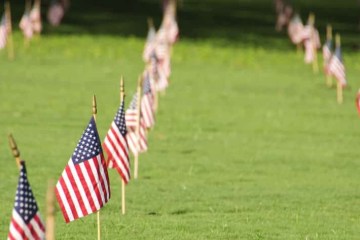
pixel 225 22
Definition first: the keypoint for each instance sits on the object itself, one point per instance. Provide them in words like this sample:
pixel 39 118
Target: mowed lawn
pixel 248 143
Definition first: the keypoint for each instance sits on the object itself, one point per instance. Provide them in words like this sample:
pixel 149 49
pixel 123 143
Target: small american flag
pixel 337 68
pixel 26 222
pixel 311 43
pixel 26 25
pixel 327 55
pixel 131 136
pixel 84 187
pixel 55 13
pixel 147 102
pixel 158 73
pixel 35 18
pixel 116 147
pixel 149 44
pixel 3 32
pixel 295 29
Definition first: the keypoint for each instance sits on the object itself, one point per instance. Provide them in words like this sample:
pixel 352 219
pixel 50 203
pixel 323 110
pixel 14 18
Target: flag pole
pixel 14 149
pixel 339 89
pixel 94 112
pixel 315 65
pixel 122 98
pixel 10 46
pixel 328 37
pixel 136 161
pixel 50 211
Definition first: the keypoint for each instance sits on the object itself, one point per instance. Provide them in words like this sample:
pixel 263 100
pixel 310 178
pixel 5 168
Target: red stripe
pixel 66 217
pixel 86 189
pixel 93 182
pixel 76 190
pixel 39 222
pixel 19 229
pixel 68 197
pixel 102 180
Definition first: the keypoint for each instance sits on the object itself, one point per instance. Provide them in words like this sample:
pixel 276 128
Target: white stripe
pixel 22 224
pixel 103 175
pixel 90 186
pixel 14 232
pixel 80 187
pixel 72 193
pixel 64 201
pixel 37 228
pixel 97 179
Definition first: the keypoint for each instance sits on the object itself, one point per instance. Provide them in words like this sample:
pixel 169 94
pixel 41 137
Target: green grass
pixel 248 144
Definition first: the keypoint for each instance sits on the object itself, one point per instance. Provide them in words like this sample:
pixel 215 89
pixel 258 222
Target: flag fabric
pixel 4 30
pixel 327 55
pixel 26 222
pixel 283 17
pixel 158 74
pixel 116 147
pixel 26 25
pixel 35 18
pixel 147 102
pixel 131 136
pixel 149 44
pixel 311 43
pixel 55 13
pixel 295 29
pixel 337 68
pixel 84 187
pixel 357 101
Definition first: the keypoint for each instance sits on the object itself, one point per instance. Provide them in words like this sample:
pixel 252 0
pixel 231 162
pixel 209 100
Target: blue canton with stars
pixel 119 119
pixel 89 145
pixel 25 203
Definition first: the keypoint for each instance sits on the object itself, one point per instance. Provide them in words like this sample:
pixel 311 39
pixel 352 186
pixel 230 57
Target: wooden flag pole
pixel 122 98
pixel 138 116
pixel 328 37
pixel 94 112
pixel 311 21
pixel 10 45
pixel 50 211
pixel 14 149
pixel 339 88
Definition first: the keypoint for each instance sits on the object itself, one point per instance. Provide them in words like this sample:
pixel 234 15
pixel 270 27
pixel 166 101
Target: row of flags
pixel 84 187
pixel 31 22
pixel 308 36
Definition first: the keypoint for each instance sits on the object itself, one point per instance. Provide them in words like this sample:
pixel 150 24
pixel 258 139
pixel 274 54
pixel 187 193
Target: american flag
pixel 337 68
pixel 116 147
pixel 35 18
pixel 26 25
pixel 131 136
pixel 283 17
pixel 149 44
pixel 357 101
pixel 26 222
pixel 327 54
pixel 55 13
pixel 147 102
pixel 172 29
pixel 311 43
pixel 295 29
pixel 84 187
pixel 158 73
pixel 3 32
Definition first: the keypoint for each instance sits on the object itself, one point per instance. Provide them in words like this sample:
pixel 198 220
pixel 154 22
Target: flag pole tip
pixel 94 106
pixel 14 149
